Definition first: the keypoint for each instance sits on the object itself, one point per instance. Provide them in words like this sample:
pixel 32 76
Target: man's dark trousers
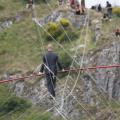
pixel 51 83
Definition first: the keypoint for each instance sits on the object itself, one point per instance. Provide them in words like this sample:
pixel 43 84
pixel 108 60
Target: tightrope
pixel 66 70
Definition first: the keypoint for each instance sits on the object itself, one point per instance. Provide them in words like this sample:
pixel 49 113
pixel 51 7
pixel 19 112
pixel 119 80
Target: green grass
pixel 10 8
pixel 20 46
pixel 4 94
pixel 31 113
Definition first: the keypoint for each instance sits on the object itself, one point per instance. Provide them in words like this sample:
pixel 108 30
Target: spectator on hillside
pixel 30 4
pixel 99 8
pixel 93 7
pixel 105 17
pixel 60 2
pixel 117 32
pixel 109 9
pixel 78 10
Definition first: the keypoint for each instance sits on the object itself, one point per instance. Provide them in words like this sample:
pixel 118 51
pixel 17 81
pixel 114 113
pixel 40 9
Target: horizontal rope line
pixel 66 70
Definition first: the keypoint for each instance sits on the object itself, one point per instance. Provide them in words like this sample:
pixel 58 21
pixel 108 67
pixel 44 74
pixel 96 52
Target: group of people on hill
pixel 107 14
pixel 78 5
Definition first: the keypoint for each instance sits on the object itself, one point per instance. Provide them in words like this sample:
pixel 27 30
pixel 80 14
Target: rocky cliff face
pixel 108 79
pixel 8 22
pixel 76 20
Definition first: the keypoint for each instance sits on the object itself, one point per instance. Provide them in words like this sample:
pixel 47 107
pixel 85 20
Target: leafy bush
pixel 56 31
pixel 68 36
pixel 1 7
pixel 64 22
pixel 52 27
pixel 53 30
pixel 2 52
pixel 116 11
pixel 14 104
pixel 66 60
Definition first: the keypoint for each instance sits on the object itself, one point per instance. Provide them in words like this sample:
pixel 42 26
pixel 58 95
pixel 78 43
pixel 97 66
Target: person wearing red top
pixel 117 32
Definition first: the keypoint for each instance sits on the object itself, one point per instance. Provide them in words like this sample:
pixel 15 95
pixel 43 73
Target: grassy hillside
pixel 20 45
pixel 10 8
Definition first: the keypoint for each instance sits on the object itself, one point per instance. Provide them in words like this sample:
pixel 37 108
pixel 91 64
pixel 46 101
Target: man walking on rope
pixel 49 66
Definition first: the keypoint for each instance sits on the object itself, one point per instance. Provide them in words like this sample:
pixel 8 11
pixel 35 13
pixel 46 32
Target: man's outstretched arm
pixel 59 64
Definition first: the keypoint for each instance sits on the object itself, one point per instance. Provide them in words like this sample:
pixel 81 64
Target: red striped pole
pixel 66 70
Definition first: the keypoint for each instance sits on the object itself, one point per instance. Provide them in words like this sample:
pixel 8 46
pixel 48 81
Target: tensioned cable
pixel 62 103
pixel 66 70
pixel 85 43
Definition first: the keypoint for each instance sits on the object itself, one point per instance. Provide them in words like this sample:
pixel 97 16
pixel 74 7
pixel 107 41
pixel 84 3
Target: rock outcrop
pixel 108 79
pixel 76 20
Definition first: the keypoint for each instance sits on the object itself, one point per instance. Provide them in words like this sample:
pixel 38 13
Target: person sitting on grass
pixel 117 32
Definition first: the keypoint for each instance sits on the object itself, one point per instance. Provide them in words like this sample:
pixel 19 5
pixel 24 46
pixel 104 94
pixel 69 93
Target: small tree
pixel 15 104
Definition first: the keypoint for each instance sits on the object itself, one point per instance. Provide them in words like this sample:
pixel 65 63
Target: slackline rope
pixel 66 70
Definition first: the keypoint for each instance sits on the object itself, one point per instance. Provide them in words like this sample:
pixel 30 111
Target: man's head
pixel 50 47
pixel 107 2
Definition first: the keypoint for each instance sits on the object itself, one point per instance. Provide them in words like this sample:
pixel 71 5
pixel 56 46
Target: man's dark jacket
pixel 50 63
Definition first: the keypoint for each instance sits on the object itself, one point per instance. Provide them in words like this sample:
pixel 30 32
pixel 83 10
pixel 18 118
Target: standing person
pixel 60 2
pixel 78 10
pixel 99 8
pixel 30 4
pixel 109 9
pixel 30 7
pixel 49 66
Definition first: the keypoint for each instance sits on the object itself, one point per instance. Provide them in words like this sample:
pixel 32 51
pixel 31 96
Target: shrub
pixel 1 7
pixel 116 11
pixel 52 27
pixel 69 37
pixel 64 22
pixel 54 30
pixel 66 60
pixel 14 104
pixel 2 52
